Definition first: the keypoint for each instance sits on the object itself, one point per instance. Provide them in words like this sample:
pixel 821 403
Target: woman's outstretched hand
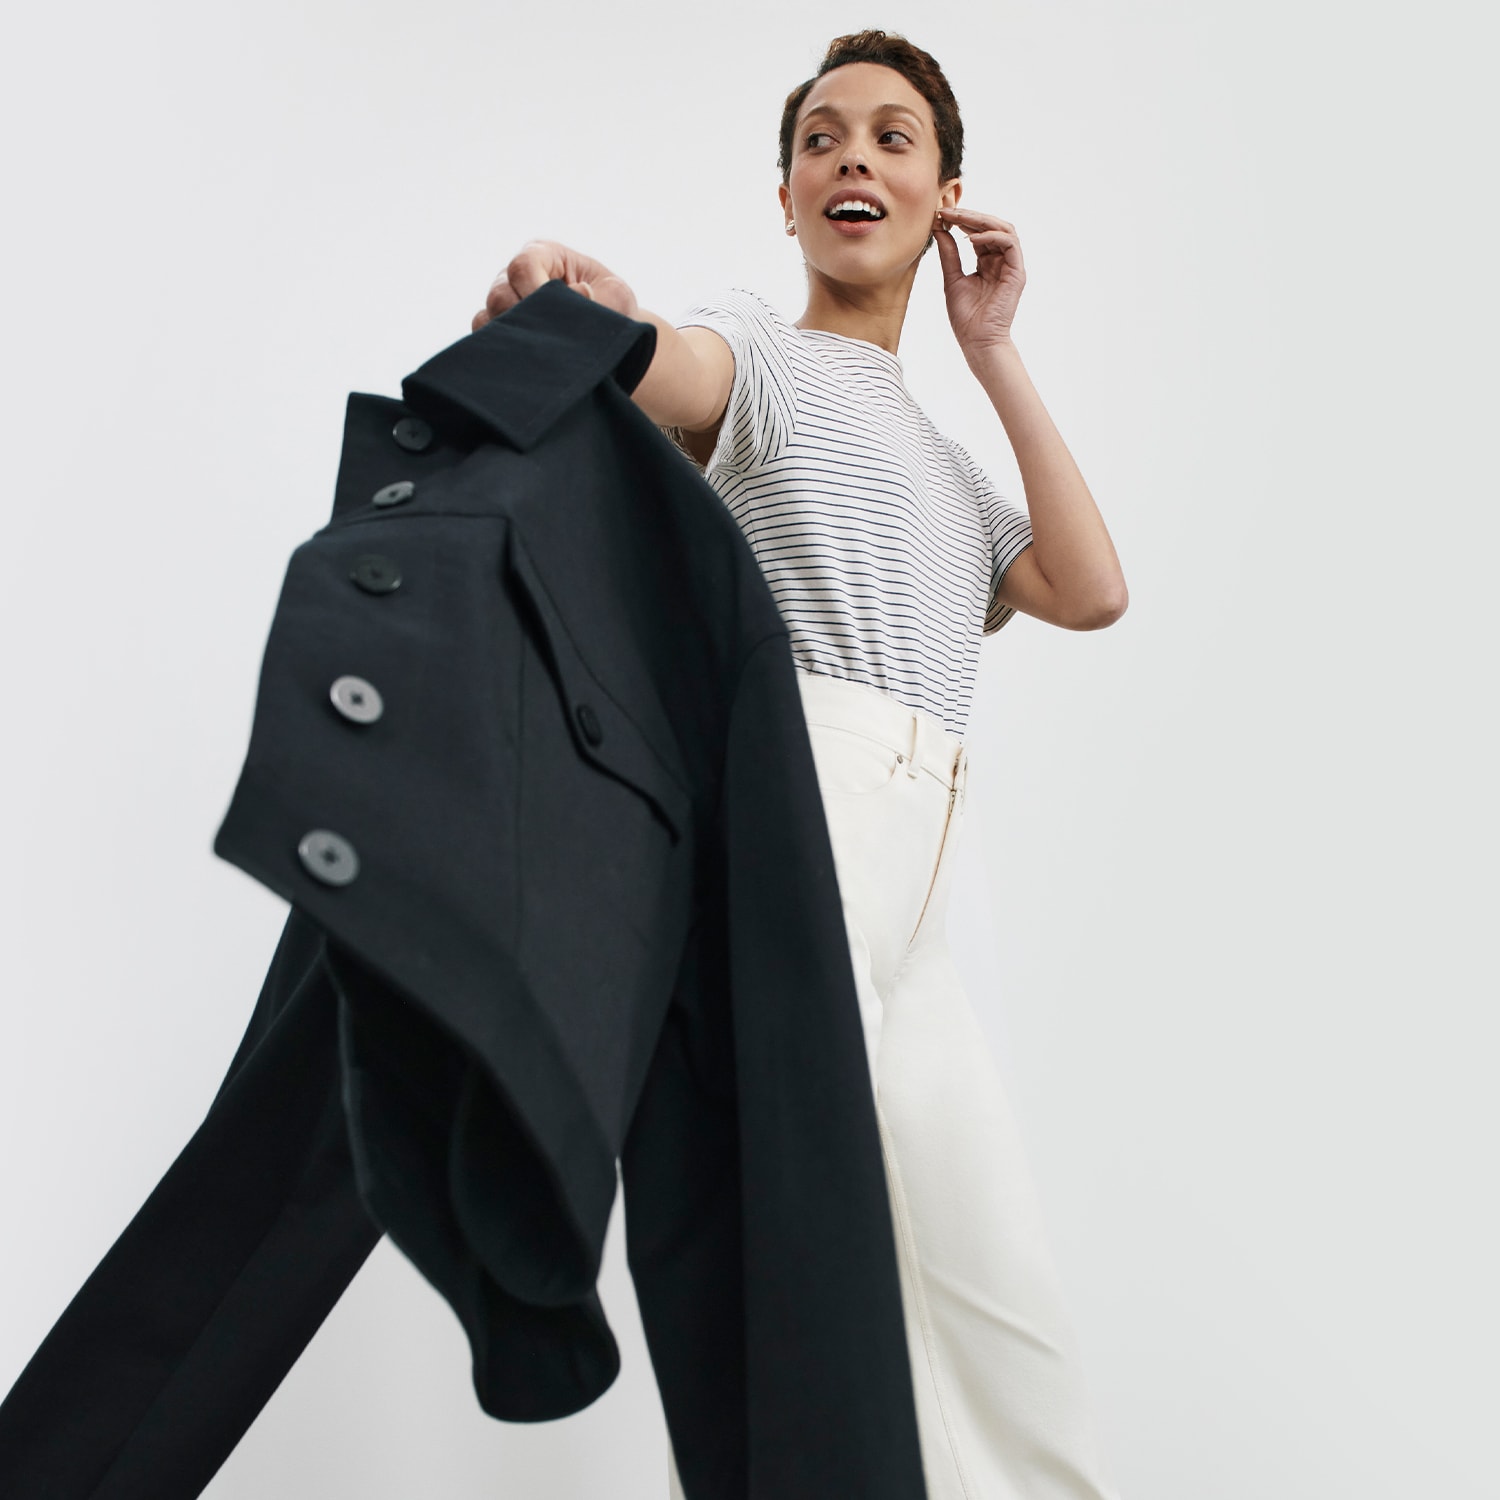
pixel 982 303
pixel 539 261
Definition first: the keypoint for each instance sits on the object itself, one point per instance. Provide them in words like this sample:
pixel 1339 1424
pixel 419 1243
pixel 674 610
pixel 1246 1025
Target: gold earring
pixel 791 226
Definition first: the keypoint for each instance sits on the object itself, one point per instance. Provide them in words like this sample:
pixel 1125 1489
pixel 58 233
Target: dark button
pixel 588 721
pixel 394 494
pixel 376 574
pixel 413 434
pixel 356 699
pixel 328 856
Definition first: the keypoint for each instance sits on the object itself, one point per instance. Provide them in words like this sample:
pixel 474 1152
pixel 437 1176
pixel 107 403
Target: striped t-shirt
pixel 882 540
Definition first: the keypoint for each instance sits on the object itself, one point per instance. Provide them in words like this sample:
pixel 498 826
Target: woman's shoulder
pixel 742 307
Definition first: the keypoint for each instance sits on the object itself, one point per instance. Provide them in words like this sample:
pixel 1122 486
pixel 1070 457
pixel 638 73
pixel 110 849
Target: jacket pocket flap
pixel 602 728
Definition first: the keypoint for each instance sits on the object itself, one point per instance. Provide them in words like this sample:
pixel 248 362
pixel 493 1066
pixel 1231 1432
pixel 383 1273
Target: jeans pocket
pixel 853 764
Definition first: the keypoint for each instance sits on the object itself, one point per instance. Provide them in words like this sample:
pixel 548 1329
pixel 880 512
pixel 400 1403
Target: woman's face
pixel 864 133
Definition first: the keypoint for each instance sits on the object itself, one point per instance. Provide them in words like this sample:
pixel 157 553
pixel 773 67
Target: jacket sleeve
pixel 826 1350
pixel 180 1336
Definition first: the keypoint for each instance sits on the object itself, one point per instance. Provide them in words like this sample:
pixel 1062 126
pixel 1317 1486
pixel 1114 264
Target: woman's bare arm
pixel 688 381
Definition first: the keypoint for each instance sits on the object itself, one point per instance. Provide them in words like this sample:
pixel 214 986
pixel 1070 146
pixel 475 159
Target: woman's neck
pixel 872 313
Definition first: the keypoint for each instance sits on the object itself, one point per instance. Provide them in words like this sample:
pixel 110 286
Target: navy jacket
pixel 530 764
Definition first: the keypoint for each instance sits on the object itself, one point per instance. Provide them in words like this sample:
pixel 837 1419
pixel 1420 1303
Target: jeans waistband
pixel 922 739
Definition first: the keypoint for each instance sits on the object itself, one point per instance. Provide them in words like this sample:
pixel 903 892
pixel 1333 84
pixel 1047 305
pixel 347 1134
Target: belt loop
pixel 914 760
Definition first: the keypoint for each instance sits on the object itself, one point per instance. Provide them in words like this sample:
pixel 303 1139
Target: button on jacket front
pixel 529 761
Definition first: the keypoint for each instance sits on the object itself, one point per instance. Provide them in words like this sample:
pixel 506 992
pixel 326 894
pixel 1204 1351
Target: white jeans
pixel 1002 1411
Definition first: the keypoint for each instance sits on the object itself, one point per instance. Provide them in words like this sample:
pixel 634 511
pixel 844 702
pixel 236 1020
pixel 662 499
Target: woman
pixel 890 555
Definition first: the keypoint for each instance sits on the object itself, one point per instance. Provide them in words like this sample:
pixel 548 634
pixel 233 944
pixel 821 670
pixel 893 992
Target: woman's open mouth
pixel 853 213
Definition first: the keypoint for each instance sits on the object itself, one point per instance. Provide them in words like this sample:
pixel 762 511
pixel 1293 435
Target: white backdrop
pixel 1225 901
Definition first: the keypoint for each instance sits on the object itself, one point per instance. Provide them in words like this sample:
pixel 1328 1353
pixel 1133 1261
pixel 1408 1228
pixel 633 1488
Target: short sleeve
pixel 761 410
pixel 1008 528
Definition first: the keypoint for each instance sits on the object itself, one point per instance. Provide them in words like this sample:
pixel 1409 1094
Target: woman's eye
pixel 901 133
pixel 816 136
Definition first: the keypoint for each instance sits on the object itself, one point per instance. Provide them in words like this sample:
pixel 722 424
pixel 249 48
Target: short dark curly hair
pixel 919 68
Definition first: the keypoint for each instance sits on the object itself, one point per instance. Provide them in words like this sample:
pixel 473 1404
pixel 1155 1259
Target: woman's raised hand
pixel 539 261
pixel 982 304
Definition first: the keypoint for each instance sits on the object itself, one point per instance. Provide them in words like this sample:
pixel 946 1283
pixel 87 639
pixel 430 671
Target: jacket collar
pixel 520 372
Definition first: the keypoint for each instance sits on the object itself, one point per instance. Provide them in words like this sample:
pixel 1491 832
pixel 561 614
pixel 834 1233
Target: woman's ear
pixel 952 191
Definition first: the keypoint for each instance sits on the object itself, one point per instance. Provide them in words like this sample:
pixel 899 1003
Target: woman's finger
pixel 948 256
pixel 996 242
pixel 534 265
pixel 968 220
pixel 502 296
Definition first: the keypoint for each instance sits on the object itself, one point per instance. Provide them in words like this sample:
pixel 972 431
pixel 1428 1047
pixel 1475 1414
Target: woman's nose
pixel 856 165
